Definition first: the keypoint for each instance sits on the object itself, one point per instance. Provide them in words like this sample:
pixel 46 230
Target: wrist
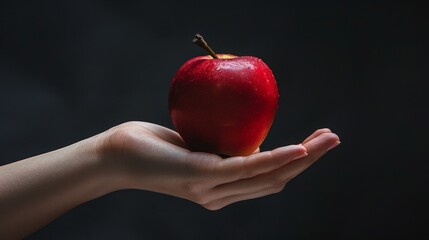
pixel 111 166
pixel 94 170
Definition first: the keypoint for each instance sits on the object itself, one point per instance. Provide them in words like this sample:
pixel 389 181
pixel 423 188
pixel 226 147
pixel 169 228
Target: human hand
pixel 147 156
pixel 141 155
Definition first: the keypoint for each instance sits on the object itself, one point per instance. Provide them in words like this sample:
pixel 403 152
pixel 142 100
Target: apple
pixel 222 103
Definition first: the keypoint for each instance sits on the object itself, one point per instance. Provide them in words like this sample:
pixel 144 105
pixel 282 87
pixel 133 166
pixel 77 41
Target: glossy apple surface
pixel 225 105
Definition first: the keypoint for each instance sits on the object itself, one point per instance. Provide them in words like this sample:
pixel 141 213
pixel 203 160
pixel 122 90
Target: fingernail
pixel 333 145
pixel 300 155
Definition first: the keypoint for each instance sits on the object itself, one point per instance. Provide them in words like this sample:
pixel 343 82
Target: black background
pixel 71 69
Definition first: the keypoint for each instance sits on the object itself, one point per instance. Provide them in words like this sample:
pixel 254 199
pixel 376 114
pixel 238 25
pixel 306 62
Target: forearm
pixel 35 191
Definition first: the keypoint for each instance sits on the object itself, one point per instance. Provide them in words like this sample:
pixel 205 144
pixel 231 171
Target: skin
pixel 141 155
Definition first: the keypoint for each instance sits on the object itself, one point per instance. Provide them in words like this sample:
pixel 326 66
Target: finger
pixel 222 202
pixel 316 134
pixel 260 183
pixel 235 168
pixel 316 148
pixel 278 177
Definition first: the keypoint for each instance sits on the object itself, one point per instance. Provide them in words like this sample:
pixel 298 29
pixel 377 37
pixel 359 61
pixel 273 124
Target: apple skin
pixel 224 106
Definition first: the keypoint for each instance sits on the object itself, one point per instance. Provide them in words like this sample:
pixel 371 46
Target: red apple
pixel 223 104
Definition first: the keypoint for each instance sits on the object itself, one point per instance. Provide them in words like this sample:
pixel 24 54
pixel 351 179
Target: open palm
pixel 155 158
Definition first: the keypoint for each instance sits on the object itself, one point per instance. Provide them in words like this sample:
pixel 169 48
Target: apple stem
pixel 199 41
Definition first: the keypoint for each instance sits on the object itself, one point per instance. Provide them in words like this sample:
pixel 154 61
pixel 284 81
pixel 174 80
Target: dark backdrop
pixel 71 69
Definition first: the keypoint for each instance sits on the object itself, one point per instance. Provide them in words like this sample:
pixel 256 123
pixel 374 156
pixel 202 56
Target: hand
pixel 151 157
pixel 140 155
